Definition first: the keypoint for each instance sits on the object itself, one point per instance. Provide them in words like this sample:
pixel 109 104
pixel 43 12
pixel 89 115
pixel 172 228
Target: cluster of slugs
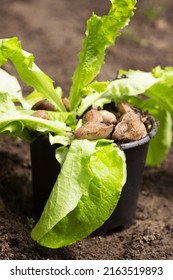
pixel 124 124
pixel 127 124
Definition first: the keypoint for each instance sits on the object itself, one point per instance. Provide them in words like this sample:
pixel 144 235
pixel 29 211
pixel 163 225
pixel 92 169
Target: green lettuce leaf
pixel 94 98
pixel 162 94
pixel 61 154
pixel 157 85
pixel 28 70
pixel 160 145
pixel 100 34
pixel 128 83
pixel 134 82
pixel 85 194
pixel 131 83
pixel 20 123
pixel 9 84
pixel 36 96
pixel 60 139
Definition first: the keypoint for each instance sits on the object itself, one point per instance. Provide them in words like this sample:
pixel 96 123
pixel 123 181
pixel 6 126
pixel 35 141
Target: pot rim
pixel 142 141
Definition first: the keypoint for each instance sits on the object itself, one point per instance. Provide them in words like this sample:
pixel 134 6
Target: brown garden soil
pixel 53 31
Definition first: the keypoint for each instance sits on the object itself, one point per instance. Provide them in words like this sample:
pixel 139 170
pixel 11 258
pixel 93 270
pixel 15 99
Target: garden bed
pixel 55 35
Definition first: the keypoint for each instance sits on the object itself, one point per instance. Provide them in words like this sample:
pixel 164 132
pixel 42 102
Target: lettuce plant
pixel 93 172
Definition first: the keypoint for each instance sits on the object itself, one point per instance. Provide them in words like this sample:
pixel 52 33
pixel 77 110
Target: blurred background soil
pixel 53 32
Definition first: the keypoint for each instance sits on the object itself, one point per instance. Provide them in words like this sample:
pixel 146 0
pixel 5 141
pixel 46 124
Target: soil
pixel 53 31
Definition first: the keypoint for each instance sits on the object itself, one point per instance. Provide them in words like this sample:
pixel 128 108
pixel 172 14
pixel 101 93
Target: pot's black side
pixel 124 214
pixel 45 169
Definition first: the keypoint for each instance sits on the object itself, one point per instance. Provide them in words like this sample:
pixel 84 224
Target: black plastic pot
pixel 45 169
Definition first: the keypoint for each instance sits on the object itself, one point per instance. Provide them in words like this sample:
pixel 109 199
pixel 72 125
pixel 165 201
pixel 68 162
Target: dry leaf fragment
pixel 94 130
